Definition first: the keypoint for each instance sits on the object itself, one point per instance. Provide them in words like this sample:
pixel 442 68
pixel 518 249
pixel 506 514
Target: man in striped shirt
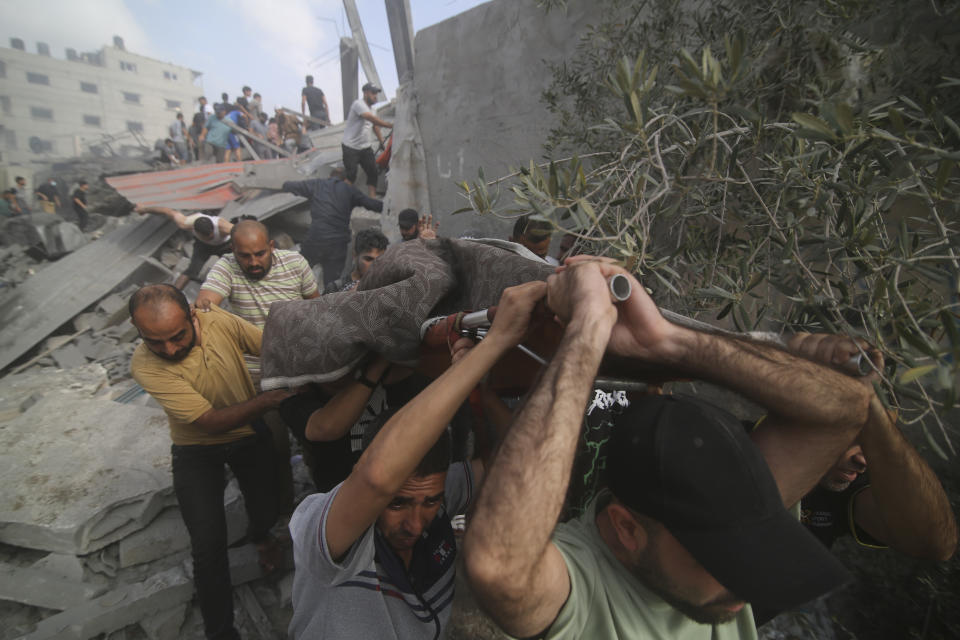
pixel 252 278
pixel 256 275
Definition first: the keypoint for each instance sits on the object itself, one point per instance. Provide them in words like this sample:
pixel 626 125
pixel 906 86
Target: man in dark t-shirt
pixel 79 200
pixel 313 97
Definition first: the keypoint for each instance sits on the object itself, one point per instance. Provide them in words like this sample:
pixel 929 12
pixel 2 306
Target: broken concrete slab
pixel 83 381
pixel 64 238
pixel 167 533
pixel 77 473
pixel 92 321
pixel 65 288
pixel 164 625
pixel 69 356
pixel 116 609
pixel 40 588
pixel 64 565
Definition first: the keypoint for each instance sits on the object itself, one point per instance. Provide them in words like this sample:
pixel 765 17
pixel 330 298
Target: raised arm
pixel 905 506
pixel 515 571
pixel 224 225
pixel 814 411
pixel 178 218
pixel 405 439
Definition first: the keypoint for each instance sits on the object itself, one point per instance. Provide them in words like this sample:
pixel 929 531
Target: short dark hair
pixel 368 239
pixel 180 115
pixel 337 172
pixel 246 88
pixel 154 294
pixel 256 95
pixel 19 178
pixel 533 228
pixel 224 96
pixel 204 98
pixel 436 460
pixel 80 183
pixel 309 79
pixel 408 217
pixel 203 226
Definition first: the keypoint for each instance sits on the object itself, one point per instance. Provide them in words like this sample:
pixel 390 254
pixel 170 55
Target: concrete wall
pixel 478 78
pixel 160 87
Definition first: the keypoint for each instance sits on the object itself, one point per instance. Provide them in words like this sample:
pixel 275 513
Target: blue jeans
pixel 198 480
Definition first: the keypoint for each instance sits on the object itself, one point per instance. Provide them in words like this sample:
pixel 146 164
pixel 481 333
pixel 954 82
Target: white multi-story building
pixel 57 108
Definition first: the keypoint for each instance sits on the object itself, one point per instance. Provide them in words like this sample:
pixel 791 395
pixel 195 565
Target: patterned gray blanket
pixel 323 339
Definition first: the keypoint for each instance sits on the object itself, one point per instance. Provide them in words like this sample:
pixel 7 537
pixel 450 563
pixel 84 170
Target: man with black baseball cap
pixel 693 524
pixel 357 144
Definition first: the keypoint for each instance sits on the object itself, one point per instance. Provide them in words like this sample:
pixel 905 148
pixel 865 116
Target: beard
pixel 650 572
pixel 182 353
pixel 258 273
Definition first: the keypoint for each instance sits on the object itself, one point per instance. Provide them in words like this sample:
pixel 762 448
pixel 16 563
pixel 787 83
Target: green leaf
pixel 917 372
pixel 813 123
pixel 943 174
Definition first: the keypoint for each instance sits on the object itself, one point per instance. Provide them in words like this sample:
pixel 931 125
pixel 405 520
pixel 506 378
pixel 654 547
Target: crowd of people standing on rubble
pixel 701 525
pixel 213 131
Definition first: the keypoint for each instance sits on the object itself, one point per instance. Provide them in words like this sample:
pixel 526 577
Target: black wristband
pixel 362 379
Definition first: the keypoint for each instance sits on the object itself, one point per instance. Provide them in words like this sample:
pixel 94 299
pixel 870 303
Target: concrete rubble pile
pixel 92 543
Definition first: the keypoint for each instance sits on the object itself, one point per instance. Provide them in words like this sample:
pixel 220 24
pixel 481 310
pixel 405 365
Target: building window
pixel 173 104
pixel 9 138
pixel 136 127
pixel 133 98
pixel 41 113
pixel 174 76
pixel 5 105
pixel 128 66
pixel 37 78
pixel 38 145
pixel 89 87
pixel 166 74
pixel 93 121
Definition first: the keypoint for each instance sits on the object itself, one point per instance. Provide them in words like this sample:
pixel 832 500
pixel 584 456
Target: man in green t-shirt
pixel 694 524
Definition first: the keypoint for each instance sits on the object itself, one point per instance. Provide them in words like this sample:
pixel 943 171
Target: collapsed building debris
pixel 91 538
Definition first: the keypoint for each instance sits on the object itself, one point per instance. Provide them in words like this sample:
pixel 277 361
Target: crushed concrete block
pixel 79 473
pixel 244 564
pixel 29 401
pixel 69 356
pixel 61 564
pixel 112 303
pixel 164 625
pixel 119 608
pixel 164 536
pixel 39 588
pixel 93 321
pixel 167 534
pixel 66 237
pixel 169 257
pixel 82 381
pixel 55 342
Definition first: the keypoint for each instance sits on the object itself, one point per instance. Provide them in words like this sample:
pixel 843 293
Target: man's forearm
pixel 237 415
pixel 906 507
pixel 525 487
pixel 395 452
pixel 789 386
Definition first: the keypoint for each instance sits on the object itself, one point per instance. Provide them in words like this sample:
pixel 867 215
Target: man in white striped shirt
pixel 252 278
pixel 256 275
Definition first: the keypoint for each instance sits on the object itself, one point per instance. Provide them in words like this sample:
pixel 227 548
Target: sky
pixel 269 45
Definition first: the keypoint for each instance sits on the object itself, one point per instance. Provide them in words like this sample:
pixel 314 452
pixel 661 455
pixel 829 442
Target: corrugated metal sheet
pixel 191 188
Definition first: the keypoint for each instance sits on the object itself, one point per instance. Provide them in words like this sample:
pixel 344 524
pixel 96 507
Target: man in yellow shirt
pixel 192 364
